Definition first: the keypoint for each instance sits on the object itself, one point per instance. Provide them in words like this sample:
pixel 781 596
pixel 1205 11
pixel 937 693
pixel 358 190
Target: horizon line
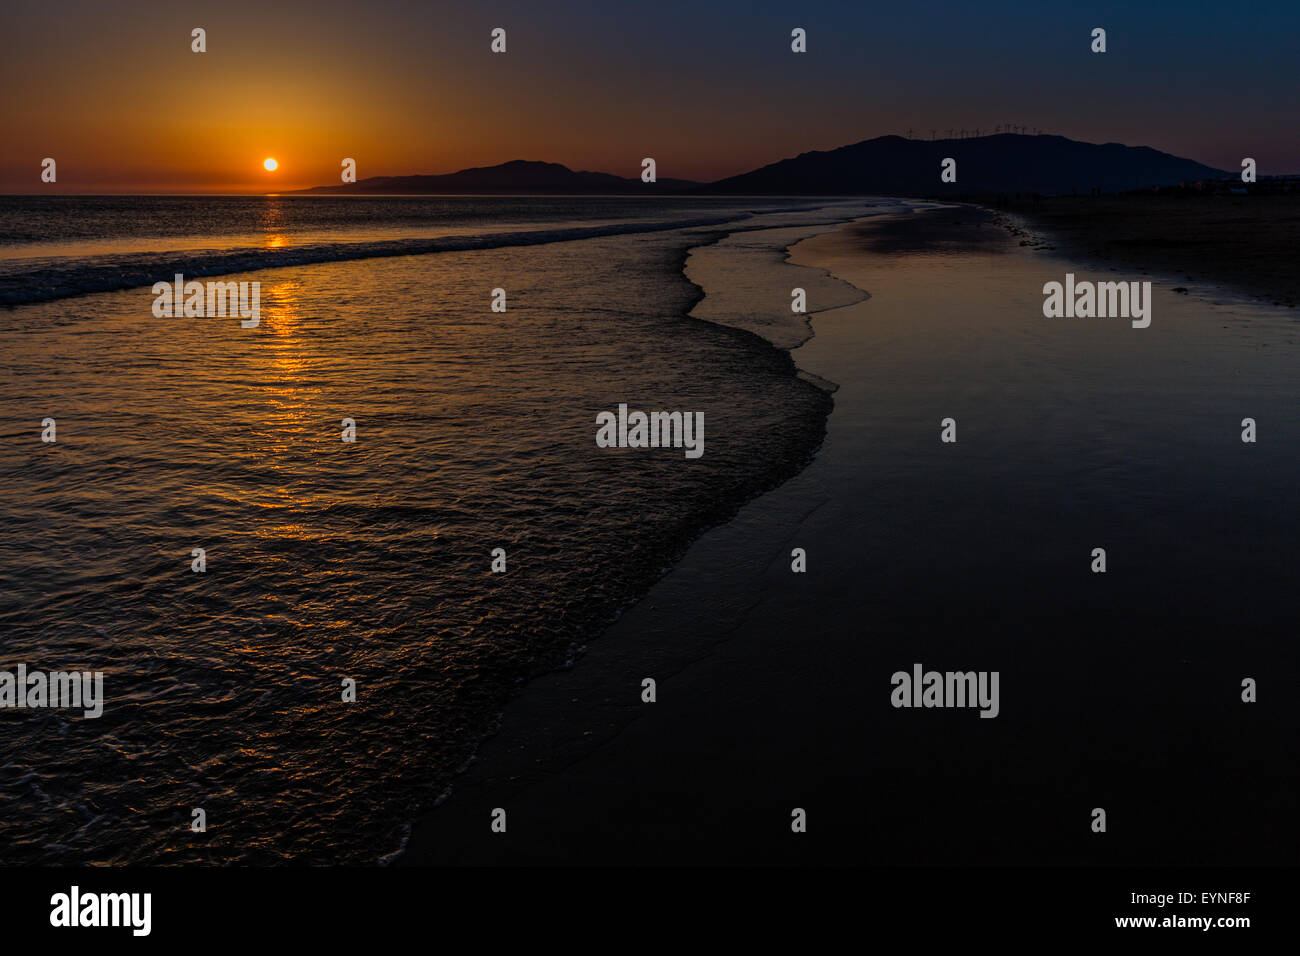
pixel 199 191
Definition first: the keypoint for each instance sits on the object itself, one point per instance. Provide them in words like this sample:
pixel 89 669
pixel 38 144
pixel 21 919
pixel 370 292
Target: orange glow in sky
pixel 415 88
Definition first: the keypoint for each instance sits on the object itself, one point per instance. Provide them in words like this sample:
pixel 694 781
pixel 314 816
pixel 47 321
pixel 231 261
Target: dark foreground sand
pixel 1118 691
pixel 1247 242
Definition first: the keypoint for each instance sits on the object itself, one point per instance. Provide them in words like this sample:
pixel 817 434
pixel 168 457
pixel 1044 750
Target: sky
pixel 708 88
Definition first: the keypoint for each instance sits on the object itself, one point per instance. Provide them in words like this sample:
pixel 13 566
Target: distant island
pixel 1001 164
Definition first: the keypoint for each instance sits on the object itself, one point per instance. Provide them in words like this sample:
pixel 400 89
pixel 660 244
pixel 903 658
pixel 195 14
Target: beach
pixel 1119 691
pixel 474 538
pixel 1242 242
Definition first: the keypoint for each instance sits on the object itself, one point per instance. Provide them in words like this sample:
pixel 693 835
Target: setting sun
pixel 270 165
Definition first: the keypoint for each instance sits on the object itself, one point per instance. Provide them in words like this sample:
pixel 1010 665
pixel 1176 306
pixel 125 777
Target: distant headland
pixel 1000 164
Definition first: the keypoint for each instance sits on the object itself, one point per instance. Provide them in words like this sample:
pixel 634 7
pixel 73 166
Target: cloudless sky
pixel 112 92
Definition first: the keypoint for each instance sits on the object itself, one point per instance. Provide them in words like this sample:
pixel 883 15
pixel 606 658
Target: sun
pixel 270 165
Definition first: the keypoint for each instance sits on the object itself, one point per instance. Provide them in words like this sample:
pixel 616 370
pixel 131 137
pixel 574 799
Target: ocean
pixel 368 561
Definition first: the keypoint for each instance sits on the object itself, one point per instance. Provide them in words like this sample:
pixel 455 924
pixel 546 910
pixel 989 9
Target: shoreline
pixel 725 316
pixel 760 673
pixel 531 732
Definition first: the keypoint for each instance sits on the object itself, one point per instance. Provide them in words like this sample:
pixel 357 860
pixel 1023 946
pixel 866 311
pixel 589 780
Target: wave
pixel 65 279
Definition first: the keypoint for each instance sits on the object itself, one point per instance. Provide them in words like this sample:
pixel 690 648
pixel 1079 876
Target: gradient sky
pixel 113 93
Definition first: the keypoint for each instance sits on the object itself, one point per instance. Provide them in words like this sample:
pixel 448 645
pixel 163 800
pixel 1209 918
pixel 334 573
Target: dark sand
pixel 1247 242
pixel 1118 691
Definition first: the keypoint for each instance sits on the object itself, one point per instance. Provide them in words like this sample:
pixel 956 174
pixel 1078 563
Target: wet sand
pixel 1245 242
pixel 1119 691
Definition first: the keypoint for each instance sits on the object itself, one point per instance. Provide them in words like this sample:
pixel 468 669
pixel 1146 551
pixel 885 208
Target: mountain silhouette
pixel 986 165
pixel 517 176
pixel 1001 164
